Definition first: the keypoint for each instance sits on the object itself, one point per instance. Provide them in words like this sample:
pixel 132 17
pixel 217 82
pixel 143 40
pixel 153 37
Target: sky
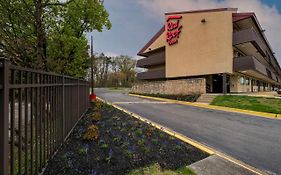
pixel 134 22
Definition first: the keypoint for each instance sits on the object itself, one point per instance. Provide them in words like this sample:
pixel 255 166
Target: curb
pixel 190 141
pixel 220 108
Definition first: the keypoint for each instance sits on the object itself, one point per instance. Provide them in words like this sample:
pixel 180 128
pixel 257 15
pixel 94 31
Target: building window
pixel 247 81
pixel 269 73
pixel 242 80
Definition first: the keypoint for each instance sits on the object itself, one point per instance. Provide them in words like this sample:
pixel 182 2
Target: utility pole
pixel 92 66
pixel 93 95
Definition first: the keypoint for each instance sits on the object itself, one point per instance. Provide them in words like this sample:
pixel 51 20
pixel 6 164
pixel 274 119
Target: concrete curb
pixel 190 141
pixel 220 108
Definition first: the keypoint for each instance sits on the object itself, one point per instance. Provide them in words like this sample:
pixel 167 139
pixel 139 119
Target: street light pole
pixel 93 95
pixel 92 66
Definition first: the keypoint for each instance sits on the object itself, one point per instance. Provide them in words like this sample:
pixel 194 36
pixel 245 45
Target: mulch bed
pixel 124 144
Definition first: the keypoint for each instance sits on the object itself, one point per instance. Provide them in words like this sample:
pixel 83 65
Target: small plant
pixel 149 132
pixel 104 146
pixel 129 153
pixel 92 133
pixel 141 142
pixel 116 139
pixel 82 151
pixel 96 116
pixel 178 147
pixel 161 135
pixel 146 150
pixel 154 141
pixel 109 158
pixel 125 145
pixel 139 132
pixel 98 106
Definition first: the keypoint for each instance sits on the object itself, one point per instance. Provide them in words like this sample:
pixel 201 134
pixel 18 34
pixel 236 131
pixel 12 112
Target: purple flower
pixel 93 172
pixel 110 153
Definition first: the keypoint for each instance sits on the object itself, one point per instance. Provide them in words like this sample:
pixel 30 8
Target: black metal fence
pixel 37 112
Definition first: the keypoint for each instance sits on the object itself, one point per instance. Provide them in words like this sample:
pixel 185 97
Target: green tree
pixel 50 34
pixel 114 71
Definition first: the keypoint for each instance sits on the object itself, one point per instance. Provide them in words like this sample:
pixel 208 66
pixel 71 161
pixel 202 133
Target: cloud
pixel 268 16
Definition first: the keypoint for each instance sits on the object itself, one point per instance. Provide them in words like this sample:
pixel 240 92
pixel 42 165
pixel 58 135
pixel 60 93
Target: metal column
pixel 4 114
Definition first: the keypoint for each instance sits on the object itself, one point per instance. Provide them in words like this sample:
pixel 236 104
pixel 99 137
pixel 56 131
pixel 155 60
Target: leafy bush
pixel 98 106
pixel 180 97
pixel 96 116
pixel 92 133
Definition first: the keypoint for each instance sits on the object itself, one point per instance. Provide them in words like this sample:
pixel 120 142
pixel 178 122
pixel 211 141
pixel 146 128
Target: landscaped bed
pixel 261 104
pixel 108 141
pixel 188 98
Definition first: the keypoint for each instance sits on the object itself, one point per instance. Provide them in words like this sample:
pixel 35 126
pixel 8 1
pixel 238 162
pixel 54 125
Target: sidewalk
pixel 215 165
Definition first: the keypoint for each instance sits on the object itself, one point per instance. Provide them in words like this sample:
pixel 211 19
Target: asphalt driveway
pixel 253 140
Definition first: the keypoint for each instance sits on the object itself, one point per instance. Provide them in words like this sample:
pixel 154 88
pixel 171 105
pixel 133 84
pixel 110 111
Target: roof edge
pixel 203 10
pixel 154 38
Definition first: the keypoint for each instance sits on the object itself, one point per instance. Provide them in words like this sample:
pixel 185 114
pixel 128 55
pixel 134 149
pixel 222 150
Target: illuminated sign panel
pixel 173 29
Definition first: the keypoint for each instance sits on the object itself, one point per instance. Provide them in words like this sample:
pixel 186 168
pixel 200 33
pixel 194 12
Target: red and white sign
pixel 173 29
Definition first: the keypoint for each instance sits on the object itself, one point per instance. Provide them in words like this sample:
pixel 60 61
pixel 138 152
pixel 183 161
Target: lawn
pixel 260 104
pixel 109 141
pixel 156 170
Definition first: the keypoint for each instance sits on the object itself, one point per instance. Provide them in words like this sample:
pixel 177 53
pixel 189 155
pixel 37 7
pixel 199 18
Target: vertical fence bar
pixel 4 116
pixel 26 125
pixel 12 125
pixel 20 125
pixel 44 119
pixel 63 107
pixel 31 123
pixel 36 123
pixel 78 98
pixel 40 120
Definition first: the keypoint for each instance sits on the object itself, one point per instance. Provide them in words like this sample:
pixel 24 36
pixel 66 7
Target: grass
pixel 156 170
pixel 188 98
pixel 260 104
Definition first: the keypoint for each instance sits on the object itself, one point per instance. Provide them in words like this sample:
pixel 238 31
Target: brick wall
pixel 183 86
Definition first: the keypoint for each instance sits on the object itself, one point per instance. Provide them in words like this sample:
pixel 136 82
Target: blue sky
pixel 134 22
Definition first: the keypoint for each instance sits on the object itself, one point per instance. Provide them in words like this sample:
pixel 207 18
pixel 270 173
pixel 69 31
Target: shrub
pixel 96 116
pixel 189 98
pixel 92 133
pixel 98 106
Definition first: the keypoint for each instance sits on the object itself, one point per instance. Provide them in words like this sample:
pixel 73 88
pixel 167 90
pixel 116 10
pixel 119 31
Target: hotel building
pixel 211 51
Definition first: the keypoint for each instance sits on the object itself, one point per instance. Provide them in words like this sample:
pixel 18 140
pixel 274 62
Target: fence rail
pixel 37 111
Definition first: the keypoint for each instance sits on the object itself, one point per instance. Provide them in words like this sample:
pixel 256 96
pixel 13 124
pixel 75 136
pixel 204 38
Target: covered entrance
pixel 218 83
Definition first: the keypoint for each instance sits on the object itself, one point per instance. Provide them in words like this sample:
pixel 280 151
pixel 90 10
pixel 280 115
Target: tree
pixel 50 34
pixel 114 71
pixel 126 66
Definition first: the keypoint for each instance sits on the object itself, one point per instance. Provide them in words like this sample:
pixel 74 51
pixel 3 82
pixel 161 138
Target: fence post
pixel 63 106
pixel 4 114
pixel 78 97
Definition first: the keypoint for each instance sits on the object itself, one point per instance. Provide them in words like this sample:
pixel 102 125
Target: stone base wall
pixel 175 87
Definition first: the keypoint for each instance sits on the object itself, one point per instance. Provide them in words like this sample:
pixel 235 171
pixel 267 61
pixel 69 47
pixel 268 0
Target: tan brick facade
pixel 175 87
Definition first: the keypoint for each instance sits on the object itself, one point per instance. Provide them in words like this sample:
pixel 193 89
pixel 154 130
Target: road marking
pixel 220 108
pixel 188 140
pixel 142 102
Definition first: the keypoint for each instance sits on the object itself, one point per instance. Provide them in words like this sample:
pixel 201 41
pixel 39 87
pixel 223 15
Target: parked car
pixel 279 91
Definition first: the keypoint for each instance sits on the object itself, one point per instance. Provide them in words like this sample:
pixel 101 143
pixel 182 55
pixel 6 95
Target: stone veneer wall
pixel 175 87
